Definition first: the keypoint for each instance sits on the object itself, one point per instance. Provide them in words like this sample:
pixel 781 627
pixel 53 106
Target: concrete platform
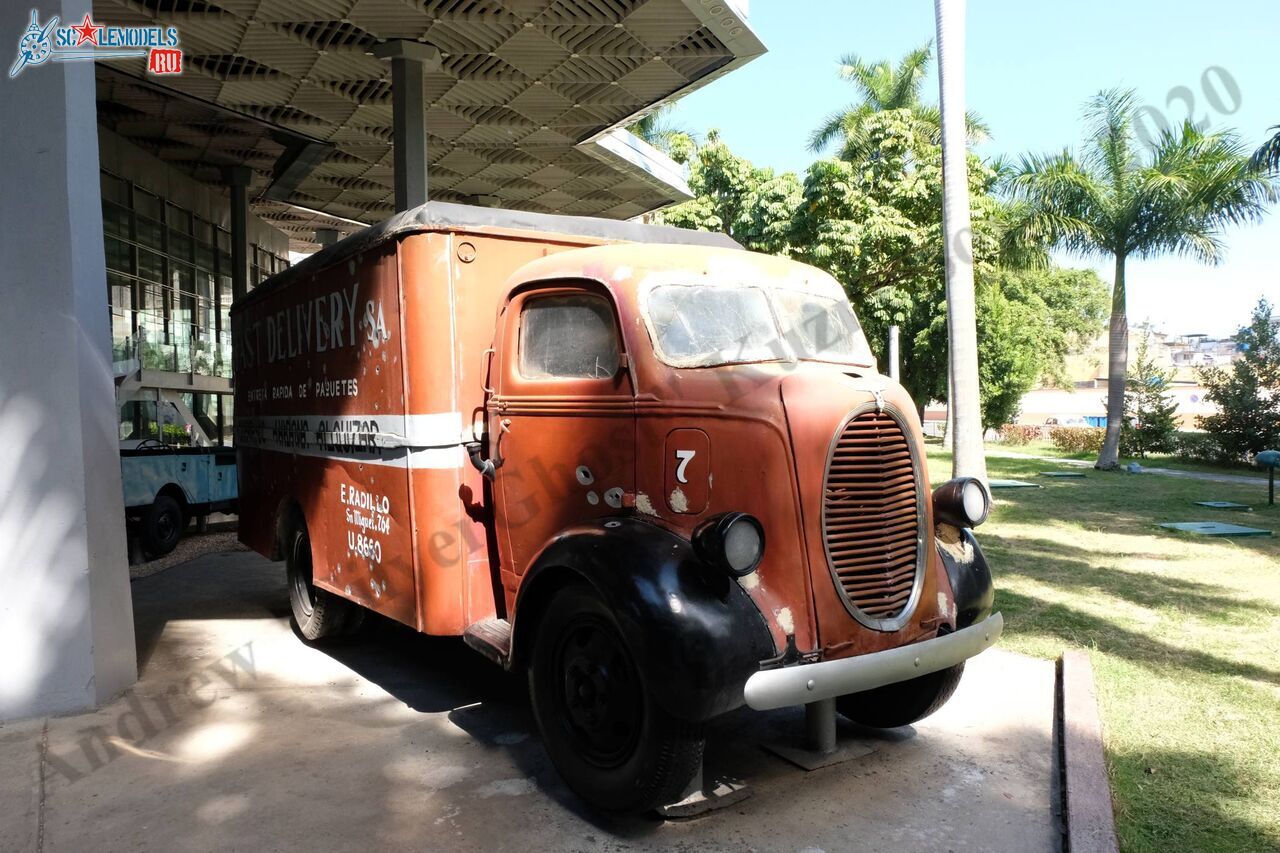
pixel 240 737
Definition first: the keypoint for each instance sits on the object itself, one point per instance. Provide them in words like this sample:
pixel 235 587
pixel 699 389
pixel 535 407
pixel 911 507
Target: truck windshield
pixel 705 326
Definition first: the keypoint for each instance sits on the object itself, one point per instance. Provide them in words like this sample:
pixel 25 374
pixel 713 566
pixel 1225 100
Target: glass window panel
pixel 228 419
pixel 703 325
pixel 150 266
pixel 568 337
pixel 121 287
pixel 150 233
pixel 152 294
pixel 203 230
pixel 178 219
pixel 115 219
pixel 820 328
pixel 224 240
pixel 148 204
pixel 182 277
pixel 119 255
pixel 180 245
pixel 204 256
pixel 115 189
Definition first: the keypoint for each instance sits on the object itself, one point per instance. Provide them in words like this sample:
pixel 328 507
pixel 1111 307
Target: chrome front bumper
pixel 800 685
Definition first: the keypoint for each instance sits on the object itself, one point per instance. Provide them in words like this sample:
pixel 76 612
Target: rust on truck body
pixel 470 412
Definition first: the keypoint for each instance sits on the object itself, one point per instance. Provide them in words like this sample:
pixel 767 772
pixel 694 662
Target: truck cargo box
pixel 359 374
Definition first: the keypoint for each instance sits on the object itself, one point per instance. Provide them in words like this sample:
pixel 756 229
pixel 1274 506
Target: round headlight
pixel 974 498
pixel 963 502
pixel 733 542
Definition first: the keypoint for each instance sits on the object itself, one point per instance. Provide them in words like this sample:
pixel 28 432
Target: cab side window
pixel 568 336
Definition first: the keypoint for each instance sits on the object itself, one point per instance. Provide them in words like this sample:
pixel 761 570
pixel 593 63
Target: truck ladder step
pixel 491 638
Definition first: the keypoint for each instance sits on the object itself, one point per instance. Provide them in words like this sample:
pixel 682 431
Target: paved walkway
pixel 1168 472
pixel 238 736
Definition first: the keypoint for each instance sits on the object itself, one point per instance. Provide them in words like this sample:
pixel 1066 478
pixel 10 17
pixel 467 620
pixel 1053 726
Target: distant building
pixel 1084 402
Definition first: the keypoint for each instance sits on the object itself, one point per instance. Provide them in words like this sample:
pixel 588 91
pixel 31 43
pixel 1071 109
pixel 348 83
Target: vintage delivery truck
pixel 658 473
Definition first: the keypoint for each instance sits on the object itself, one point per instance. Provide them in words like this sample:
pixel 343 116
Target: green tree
pixel 1248 395
pixel 1149 423
pixel 659 130
pixel 1267 157
pixel 1115 201
pixel 877 227
pixel 1066 307
pixel 884 86
pixel 754 206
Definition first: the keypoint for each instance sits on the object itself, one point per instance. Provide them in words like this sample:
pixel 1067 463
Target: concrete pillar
pixel 409 60
pixel 237 178
pixel 66 615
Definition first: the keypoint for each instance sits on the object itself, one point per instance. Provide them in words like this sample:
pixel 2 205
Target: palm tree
pixel 882 86
pixel 964 409
pixel 1115 201
pixel 1267 158
pixel 672 139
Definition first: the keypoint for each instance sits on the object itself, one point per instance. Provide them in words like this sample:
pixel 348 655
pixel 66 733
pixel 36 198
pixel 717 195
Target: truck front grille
pixel 871 517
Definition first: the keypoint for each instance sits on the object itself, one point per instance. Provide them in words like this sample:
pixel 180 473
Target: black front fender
pixel 970 578
pixel 695 633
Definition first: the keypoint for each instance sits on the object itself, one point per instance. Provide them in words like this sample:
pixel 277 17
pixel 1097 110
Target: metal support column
pixel 409 61
pixel 820 726
pixel 237 178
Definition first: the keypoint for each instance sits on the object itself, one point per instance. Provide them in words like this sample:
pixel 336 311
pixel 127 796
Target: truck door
pixel 561 419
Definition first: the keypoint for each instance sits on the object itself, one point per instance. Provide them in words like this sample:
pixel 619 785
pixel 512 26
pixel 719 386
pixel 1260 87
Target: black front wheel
pixel 318 614
pixel 608 739
pixel 903 703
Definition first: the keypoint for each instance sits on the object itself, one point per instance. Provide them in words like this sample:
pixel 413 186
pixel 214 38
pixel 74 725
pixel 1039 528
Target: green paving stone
pixel 1225 505
pixel 1215 528
pixel 1069 475
pixel 1013 484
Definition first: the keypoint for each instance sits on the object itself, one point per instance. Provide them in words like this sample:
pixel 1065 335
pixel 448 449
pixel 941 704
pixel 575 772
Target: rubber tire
pixel 318 615
pixel 162 526
pixel 668 751
pixel 903 703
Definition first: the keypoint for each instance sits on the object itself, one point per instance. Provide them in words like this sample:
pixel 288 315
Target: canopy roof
pixel 521 112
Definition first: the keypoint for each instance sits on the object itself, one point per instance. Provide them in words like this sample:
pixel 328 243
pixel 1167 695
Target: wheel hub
pixel 601 694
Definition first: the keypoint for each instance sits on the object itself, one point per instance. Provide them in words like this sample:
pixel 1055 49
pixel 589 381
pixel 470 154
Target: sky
pixel 1030 67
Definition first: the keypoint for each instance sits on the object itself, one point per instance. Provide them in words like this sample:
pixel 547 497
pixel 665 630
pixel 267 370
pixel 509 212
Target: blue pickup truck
pixel 165 487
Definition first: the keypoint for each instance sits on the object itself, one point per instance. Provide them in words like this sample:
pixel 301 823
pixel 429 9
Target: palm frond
pixel 868 78
pixel 976 129
pixel 1061 204
pixel 831 129
pixel 1110 143
pixel 1267 157
pixel 908 77
pixel 1197 184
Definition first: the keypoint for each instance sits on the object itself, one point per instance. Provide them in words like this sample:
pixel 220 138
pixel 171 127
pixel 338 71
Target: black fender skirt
pixel 970 578
pixel 695 633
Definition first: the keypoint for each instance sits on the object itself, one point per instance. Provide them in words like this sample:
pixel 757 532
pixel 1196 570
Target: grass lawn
pixel 1183 631
pixel 1046 448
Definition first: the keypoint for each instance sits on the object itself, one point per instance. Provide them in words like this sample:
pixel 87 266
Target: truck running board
pixel 491 638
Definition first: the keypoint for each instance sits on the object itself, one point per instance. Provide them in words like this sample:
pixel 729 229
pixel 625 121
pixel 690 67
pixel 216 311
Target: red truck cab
pixel 660 474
